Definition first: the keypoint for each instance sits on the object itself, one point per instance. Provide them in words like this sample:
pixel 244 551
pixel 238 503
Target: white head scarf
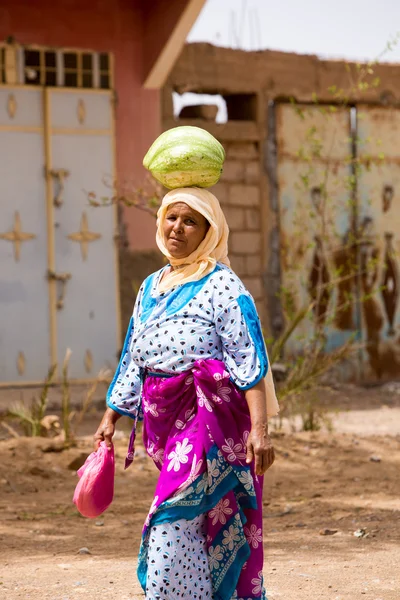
pixel 213 248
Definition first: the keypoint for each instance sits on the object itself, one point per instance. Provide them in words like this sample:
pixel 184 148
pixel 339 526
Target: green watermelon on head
pixel 185 157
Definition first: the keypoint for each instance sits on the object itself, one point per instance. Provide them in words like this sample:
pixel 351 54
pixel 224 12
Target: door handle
pixel 63 279
pixel 60 176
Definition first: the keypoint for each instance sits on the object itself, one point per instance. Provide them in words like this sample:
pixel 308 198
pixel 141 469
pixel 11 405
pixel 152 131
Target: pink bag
pixel 95 489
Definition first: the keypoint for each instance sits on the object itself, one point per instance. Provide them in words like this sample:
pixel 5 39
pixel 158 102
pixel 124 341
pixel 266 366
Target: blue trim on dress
pixel 250 315
pixel 147 302
pixel 162 375
pixel 231 576
pixel 124 350
pixel 177 298
pixel 118 370
pixel 183 294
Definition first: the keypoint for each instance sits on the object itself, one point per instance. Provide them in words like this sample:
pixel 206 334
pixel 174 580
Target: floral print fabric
pixel 195 427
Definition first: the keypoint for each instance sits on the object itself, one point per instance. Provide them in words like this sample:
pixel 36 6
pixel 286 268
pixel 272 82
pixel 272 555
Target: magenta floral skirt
pixel 195 428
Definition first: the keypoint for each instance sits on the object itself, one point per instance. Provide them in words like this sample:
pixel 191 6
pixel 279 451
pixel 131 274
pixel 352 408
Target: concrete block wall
pixel 239 192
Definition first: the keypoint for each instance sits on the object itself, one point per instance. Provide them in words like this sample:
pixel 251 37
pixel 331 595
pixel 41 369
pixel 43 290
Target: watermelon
pixel 184 157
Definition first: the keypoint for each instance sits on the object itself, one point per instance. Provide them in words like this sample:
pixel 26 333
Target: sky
pixel 352 29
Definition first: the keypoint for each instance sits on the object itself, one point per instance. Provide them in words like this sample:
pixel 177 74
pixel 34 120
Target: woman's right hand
pixel 106 429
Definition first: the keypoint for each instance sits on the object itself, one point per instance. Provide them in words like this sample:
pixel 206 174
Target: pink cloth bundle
pixel 95 489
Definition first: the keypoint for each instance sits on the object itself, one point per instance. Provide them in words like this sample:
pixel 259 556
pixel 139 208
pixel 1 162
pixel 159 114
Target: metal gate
pixel 378 132
pixel 338 231
pixel 58 258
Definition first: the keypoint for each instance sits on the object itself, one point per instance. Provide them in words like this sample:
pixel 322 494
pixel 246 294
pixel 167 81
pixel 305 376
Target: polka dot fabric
pixel 177 562
pixel 171 331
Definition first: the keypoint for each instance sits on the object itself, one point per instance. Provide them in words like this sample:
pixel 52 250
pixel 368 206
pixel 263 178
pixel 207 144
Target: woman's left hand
pixel 260 449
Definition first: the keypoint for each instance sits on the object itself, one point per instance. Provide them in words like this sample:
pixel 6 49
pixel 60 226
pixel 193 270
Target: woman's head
pixel 184 229
pixel 192 233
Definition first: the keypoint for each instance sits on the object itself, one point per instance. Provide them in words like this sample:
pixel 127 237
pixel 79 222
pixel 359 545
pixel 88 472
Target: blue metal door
pixel 58 257
pixel 84 269
pixel 25 352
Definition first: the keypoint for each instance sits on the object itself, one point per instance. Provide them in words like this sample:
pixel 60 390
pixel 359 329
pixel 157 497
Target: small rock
pixel 84 551
pixel 328 531
pixel 77 462
pixel 56 444
pixel 51 424
pixel 99 523
pixel 39 471
pixel 375 458
pixel 360 533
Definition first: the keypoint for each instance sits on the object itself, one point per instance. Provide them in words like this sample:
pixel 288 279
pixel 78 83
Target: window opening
pixel 241 107
pixel 191 106
pixel 40 67
pixel 63 68
pixel 87 70
pixel 2 65
pixel 50 62
pixel 70 69
pixel 104 64
pixel 32 67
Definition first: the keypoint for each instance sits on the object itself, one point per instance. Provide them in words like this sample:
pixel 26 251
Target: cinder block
pixel 235 218
pixel 242 150
pixel 252 171
pixel 245 242
pixel 255 287
pixel 252 219
pixel 233 171
pixel 238 264
pixel 221 191
pixel 253 265
pixel 244 195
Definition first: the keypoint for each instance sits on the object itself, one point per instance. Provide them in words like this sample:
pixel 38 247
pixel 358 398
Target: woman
pixel 193 368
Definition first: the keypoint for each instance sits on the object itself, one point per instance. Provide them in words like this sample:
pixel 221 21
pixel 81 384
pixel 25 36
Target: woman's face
pixel 184 229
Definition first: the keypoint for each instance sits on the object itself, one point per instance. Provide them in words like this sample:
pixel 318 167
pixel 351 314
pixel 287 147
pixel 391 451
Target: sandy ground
pixel 344 481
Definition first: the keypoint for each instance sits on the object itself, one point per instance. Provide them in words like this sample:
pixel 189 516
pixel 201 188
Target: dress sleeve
pixel 243 347
pixel 124 391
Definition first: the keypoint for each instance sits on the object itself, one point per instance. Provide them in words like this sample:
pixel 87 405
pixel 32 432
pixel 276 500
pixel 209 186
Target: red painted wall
pixel 116 26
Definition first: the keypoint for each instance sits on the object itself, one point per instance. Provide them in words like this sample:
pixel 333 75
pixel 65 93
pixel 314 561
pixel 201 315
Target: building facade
pixel 79 107
pixel 309 189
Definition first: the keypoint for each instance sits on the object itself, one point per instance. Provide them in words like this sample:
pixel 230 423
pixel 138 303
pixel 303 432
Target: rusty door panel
pixel 314 152
pixel 378 132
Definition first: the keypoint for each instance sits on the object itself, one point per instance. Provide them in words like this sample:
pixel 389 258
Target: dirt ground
pixel 344 484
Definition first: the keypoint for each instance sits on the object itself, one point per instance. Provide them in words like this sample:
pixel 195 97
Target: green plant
pixel 146 197
pixel 76 417
pixel 31 416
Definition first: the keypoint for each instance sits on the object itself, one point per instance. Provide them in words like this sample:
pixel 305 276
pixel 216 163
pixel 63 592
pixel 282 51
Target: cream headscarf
pixel 214 247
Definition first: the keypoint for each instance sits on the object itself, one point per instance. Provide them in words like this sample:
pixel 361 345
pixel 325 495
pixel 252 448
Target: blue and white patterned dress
pixel 214 318
pixel 211 318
